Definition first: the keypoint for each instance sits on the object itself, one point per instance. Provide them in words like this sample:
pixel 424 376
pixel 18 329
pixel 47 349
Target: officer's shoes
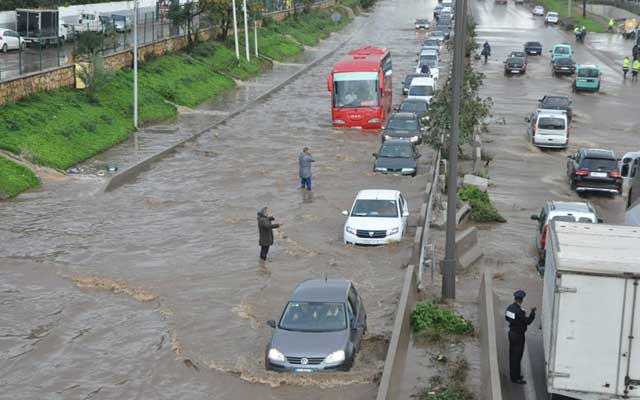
pixel 519 381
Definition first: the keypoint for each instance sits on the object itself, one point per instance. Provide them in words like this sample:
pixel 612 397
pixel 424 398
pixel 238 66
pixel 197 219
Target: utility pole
pixel 569 10
pixel 135 71
pixel 449 264
pixel 235 29
pixel 246 29
pixel 255 35
pixel 584 8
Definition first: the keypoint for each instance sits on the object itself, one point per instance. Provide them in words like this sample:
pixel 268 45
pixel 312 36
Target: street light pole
pixel 135 71
pixel 235 29
pixel 246 29
pixel 449 264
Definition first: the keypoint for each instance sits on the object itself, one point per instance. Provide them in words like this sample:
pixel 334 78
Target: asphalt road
pixel 525 177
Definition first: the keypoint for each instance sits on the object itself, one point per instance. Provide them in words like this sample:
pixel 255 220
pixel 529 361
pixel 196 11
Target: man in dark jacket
pixel 518 322
pixel 265 228
pixel 304 163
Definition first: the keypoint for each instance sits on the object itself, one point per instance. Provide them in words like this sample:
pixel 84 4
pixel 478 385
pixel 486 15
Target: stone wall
pixel 280 15
pixel 609 11
pixel 25 85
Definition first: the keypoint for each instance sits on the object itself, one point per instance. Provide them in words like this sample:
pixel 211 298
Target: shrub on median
pixel 481 208
pixel 431 318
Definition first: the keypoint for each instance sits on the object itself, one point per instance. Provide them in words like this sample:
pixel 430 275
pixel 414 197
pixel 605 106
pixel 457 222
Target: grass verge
pixel 454 388
pixel 434 320
pixel 481 208
pixel 15 178
pixel 591 22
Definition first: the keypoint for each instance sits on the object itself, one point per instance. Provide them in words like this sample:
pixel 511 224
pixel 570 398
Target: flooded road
pixel 155 290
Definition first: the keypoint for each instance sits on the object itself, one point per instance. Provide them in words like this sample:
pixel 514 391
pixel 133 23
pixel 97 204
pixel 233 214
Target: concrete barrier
pixel 130 173
pixel 399 343
pixel 491 387
pixel 467 249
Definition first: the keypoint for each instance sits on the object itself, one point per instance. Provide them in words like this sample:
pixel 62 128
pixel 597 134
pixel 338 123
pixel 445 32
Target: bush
pixel 434 319
pixel 481 208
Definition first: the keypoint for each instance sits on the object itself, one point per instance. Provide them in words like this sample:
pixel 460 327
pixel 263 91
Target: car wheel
pixel 5 48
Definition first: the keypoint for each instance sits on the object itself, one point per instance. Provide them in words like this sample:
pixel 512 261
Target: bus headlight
pixel 338 122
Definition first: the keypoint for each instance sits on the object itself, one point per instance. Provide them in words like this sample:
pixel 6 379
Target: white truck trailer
pixel 591 311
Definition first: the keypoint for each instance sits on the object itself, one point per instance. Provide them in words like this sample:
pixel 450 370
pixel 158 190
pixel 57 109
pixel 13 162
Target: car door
pixel 541 221
pixel 404 212
pixel 13 42
pixel 359 318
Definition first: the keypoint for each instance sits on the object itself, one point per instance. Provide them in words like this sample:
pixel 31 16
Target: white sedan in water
pixel 376 217
pixel 538 11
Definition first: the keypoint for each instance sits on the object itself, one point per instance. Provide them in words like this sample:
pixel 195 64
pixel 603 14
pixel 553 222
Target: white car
pixel 422 88
pixel 538 11
pixel 376 217
pixel 10 40
pixel 549 128
pixel 551 18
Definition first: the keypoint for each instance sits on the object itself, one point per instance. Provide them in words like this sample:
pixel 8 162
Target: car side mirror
pixel 535 217
pixel 345 213
pixel 271 323
pixel 375 155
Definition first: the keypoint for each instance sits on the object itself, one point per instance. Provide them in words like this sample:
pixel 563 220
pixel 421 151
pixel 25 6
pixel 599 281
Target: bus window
pixel 355 89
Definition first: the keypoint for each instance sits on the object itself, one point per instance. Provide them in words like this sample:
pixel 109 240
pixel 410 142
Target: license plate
pixel 598 174
pixel 303 370
pixel 534 52
pixel 565 68
pixel 515 71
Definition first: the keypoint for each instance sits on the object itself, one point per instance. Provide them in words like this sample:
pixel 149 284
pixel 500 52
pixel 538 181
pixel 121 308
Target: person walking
pixel 304 162
pixel 635 68
pixel 518 323
pixel 265 229
pixel 625 67
pixel 486 51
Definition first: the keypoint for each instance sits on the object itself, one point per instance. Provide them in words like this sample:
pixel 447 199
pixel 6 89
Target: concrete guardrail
pixel 491 389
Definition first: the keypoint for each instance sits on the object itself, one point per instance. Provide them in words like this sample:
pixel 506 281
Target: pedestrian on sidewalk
pixel 304 163
pixel 265 229
pixel 625 67
pixel 518 321
pixel 635 68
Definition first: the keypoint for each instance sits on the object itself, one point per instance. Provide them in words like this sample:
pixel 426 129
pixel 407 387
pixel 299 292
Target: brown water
pixel 155 290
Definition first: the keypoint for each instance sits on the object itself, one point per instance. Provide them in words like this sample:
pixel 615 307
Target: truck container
pixel 38 25
pixel 591 311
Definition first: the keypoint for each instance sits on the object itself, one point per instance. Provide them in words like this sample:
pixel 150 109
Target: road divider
pixel 488 340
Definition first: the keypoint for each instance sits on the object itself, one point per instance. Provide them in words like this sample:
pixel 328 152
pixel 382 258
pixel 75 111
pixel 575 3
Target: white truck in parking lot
pixel 591 311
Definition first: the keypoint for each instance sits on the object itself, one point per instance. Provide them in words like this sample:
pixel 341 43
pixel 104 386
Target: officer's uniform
pixel 518 322
pixel 635 68
pixel 625 66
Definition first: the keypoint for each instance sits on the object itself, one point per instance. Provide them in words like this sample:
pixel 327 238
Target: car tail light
pixel 582 172
pixel 543 238
pixel 614 174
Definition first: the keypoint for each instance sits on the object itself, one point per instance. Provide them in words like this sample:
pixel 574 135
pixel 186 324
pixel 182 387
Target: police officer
pixel 625 67
pixel 635 68
pixel 518 322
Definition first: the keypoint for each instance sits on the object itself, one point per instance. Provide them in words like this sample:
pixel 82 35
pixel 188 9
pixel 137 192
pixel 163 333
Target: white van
pixel 628 166
pixel 422 88
pixel 549 128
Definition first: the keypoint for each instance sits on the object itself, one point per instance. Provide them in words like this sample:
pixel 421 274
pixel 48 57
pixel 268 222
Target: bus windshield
pixel 355 89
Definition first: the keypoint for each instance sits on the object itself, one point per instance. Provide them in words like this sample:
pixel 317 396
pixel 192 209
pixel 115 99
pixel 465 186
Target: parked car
pixel 377 217
pixel 533 48
pixel 521 54
pixel 434 66
pixel 122 23
pixel 538 11
pixel 445 29
pixel 515 65
pixel 407 81
pixel 551 18
pixel 563 66
pixel 560 211
pixel 594 170
pixel 416 106
pixel 10 40
pixel 405 126
pixel 430 43
pixel 548 128
pixel 321 328
pixel 588 78
pixel 397 157
pixel 561 51
pixel 437 34
pixel 422 24
pixel 423 89
pixel 562 103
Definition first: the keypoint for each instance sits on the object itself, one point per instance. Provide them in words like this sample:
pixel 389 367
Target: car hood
pixel 309 344
pixel 395 163
pixel 372 223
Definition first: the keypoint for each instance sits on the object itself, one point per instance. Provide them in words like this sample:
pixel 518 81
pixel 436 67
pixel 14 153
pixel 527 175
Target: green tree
pixel 90 46
pixel 184 16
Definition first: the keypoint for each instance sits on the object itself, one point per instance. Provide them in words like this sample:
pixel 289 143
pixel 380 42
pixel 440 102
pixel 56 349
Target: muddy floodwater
pixel 155 290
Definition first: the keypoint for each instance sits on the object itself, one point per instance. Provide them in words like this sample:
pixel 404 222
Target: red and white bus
pixel 360 86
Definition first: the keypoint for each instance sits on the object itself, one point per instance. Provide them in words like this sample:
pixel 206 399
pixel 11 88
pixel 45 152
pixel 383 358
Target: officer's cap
pixel 519 294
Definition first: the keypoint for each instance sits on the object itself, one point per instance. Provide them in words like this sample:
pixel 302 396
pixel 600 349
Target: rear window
pixel 414 107
pixel 421 90
pixel 403 124
pixel 588 73
pixel 562 50
pixel 564 61
pixel 556 102
pixel 599 164
pixel 571 218
pixel 551 123
pixel 533 44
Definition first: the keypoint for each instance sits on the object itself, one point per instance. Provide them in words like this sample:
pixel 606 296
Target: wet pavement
pixel 155 290
pixel 524 177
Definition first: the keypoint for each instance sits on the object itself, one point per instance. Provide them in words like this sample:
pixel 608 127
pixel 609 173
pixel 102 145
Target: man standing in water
pixel 304 163
pixel 265 229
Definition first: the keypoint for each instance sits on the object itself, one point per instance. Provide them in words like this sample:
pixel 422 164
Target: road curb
pixel 133 171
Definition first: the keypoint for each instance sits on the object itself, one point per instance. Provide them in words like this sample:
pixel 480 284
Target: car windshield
pixel 431 43
pixel 588 73
pixel 551 123
pixel 419 90
pixel 394 150
pixel 402 124
pixel 561 50
pixel 418 107
pixel 552 14
pixel 375 208
pixel 599 164
pixel 556 102
pixel 355 89
pixel 314 317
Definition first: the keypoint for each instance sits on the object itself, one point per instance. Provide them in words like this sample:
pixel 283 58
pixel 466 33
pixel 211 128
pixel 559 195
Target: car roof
pixel 321 290
pixel 574 206
pixel 403 115
pixel 397 142
pixel 377 194
pixel 438 32
pixel 431 51
pixel 561 45
pixel 543 112
pixel 547 97
pixel 422 81
pixel 414 100
pixel 599 153
pixel 533 42
pixel 587 66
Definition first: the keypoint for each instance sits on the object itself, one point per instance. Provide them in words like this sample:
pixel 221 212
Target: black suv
pixel 556 103
pixel 594 170
pixel 515 65
pixel 563 66
pixel 534 48
pixel 405 126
